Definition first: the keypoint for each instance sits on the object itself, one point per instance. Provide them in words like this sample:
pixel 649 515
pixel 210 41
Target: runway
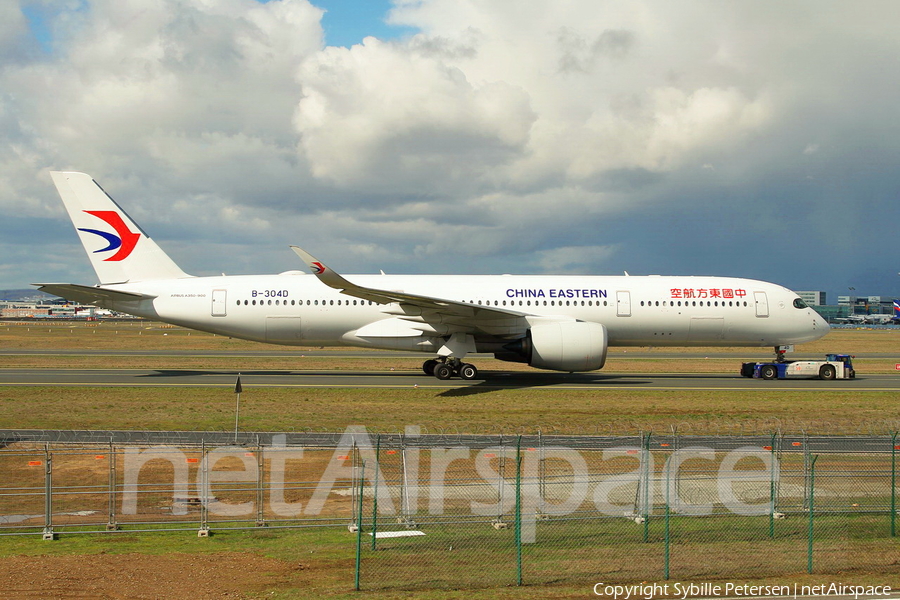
pixel 600 380
pixel 617 354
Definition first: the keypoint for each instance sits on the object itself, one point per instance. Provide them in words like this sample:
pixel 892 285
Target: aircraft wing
pixel 437 316
pixel 89 294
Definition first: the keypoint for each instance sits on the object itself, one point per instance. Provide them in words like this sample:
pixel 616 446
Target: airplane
pixel 554 322
pixel 853 319
pixel 873 319
pixel 878 319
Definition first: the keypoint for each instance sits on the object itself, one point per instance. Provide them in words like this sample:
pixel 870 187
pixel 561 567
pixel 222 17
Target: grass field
pixel 308 563
pixel 841 409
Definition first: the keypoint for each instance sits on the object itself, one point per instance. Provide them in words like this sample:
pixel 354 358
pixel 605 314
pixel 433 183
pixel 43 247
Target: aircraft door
pixel 762 304
pixel 283 330
pixel 623 304
pixel 218 303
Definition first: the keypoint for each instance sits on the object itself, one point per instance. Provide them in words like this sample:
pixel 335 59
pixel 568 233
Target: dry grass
pixel 142 335
pixel 470 409
pixel 319 562
pixel 460 410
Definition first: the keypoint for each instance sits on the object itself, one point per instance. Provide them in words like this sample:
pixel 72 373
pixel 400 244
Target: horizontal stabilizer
pixel 89 294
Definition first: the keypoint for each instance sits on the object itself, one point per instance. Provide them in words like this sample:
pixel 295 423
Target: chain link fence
pixel 535 511
pixel 449 511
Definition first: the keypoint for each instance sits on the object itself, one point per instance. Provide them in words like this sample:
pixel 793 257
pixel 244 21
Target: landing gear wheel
pixel 443 371
pixel 768 372
pixel 468 372
pixel 827 372
pixel 428 366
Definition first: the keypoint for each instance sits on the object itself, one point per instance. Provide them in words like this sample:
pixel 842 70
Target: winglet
pixel 325 275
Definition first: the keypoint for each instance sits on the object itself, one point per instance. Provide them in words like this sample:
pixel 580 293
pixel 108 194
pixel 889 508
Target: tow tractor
pixel 835 366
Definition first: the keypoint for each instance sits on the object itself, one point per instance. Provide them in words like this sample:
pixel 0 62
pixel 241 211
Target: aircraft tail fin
pixel 897 309
pixel 119 250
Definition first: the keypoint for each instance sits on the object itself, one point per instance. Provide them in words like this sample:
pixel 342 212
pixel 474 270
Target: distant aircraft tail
pixel 897 309
pixel 119 250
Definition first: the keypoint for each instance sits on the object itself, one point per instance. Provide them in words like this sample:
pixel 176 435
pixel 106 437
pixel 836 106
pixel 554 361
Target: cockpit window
pixel 798 303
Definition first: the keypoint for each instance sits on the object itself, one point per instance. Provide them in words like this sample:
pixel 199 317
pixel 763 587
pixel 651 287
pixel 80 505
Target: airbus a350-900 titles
pixel 561 323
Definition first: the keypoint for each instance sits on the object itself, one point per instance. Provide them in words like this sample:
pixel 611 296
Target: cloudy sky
pixel 757 139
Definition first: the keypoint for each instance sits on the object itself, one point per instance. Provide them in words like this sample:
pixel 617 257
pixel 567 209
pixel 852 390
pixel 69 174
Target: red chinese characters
pixel 703 293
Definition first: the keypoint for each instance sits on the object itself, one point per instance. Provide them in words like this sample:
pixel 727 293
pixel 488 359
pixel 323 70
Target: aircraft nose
pixel 820 325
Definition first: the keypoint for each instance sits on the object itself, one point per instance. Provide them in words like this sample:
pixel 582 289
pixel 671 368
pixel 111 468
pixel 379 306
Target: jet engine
pixel 561 346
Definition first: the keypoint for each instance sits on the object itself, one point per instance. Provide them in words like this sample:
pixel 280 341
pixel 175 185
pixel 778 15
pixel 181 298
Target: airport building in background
pixel 54 310
pixel 813 298
pixel 848 306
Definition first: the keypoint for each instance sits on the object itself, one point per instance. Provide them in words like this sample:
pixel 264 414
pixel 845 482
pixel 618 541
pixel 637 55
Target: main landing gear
pixel 445 368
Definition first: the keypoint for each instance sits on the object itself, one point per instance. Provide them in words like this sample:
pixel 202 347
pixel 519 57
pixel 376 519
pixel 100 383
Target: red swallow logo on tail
pixel 124 240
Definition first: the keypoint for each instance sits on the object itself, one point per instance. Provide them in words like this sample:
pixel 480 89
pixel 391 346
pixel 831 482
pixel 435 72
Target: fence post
pixel 772 489
pixel 359 517
pixel 519 511
pixel 354 468
pixel 375 496
pixel 542 492
pixel 260 485
pixel 645 467
pixel 111 524
pixel 501 480
pixel 667 540
pixel 205 491
pixel 894 484
pixel 405 510
pixel 48 534
pixel 806 459
pixel 809 543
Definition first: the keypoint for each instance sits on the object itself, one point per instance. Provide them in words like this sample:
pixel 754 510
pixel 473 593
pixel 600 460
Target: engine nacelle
pixel 564 346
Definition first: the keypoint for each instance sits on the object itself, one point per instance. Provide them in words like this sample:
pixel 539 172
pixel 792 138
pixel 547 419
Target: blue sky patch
pixel 347 22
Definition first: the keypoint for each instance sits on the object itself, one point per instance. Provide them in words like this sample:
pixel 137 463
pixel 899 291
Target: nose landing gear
pixel 445 368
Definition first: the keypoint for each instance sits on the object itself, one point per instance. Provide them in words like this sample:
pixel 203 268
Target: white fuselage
pixel 295 308
pixel 562 323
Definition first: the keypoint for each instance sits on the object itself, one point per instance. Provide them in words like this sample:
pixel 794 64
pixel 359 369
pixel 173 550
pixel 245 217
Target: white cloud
pixel 399 117
pixel 507 135
pixel 152 92
pixel 13 30
pixel 533 93
pixel 575 259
